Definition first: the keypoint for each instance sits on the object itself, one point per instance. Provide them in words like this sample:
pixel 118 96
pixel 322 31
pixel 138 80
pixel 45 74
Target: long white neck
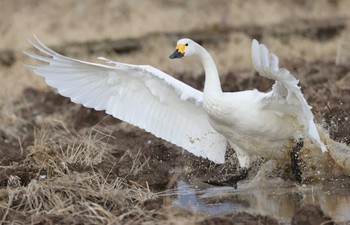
pixel 212 85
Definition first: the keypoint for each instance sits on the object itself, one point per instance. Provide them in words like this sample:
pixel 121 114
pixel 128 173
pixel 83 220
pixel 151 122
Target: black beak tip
pixel 176 55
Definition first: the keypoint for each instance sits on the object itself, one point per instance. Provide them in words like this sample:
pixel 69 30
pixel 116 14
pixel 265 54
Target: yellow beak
pixel 179 52
pixel 181 48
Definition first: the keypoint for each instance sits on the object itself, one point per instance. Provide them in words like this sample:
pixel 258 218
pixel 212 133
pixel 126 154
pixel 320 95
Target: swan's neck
pixel 212 85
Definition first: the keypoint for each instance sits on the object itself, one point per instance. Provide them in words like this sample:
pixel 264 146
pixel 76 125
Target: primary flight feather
pixel 252 122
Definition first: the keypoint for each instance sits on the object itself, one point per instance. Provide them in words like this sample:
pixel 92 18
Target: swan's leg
pixel 294 160
pixel 244 162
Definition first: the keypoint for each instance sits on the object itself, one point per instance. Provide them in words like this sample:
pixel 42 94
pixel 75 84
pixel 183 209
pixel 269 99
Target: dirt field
pixel 61 163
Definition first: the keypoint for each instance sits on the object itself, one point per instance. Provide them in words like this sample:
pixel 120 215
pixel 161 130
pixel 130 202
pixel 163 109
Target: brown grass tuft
pixel 84 196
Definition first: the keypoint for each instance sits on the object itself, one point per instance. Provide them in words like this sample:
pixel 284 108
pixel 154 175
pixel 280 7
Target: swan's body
pixel 263 133
pixel 254 123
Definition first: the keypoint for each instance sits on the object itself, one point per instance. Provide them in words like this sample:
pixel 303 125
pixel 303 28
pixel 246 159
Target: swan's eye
pixel 186 44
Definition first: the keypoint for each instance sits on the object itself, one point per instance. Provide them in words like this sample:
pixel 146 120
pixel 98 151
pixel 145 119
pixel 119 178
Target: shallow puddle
pixel 280 201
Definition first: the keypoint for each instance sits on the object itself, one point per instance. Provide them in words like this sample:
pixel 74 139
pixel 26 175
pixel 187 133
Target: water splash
pixel 280 202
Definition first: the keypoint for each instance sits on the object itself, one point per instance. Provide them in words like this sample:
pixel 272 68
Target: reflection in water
pixel 280 202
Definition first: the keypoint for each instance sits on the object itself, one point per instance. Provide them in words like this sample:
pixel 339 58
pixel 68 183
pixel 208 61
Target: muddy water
pixel 280 201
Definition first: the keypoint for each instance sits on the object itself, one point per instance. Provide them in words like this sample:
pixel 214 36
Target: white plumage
pixel 254 123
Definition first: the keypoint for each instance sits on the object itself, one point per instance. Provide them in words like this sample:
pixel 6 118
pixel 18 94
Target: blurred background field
pixel 99 170
pixel 297 30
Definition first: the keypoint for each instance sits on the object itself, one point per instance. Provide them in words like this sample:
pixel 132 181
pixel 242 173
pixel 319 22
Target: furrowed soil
pixel 61 163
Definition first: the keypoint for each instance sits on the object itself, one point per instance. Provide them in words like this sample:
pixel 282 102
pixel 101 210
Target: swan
pixel 253 123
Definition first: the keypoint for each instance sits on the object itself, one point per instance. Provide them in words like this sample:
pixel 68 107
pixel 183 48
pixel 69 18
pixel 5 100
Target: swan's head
pixel 184 47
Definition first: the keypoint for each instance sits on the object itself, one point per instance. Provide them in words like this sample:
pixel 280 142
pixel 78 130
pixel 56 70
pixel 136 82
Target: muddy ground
pixel 64 164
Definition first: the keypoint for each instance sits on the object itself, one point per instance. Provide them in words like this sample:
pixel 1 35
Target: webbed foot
pixel 295 160
pixel 232 181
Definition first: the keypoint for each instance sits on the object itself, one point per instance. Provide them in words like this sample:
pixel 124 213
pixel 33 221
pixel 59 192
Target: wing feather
pixel 140 95
pixel 286 95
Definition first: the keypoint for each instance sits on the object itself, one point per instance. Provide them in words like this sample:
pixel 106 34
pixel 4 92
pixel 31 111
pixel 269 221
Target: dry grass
pixel 60 190
pixel 343 49
pixel 59 22
pixel 82 196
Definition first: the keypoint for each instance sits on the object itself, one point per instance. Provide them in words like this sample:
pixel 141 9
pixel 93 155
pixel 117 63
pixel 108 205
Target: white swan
pixel 252 122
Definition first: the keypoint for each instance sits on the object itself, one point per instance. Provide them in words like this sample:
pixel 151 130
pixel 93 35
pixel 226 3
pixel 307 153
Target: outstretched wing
pixel 286 96
pixel 140 95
